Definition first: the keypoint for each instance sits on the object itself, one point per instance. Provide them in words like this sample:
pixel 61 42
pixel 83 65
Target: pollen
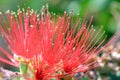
pixel 31 26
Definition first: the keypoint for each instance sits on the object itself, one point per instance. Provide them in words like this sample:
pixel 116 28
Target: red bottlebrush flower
pixel 21 33
pixel 54 48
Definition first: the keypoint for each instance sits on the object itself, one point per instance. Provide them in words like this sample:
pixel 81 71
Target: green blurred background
pixel 105 12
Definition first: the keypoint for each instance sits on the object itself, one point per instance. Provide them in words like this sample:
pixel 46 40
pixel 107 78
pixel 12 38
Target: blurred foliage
pixel 105 12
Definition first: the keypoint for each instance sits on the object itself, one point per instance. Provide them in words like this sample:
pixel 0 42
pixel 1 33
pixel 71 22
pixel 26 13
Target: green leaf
pixel 23 68
pixel 72 78
pixel 85 78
